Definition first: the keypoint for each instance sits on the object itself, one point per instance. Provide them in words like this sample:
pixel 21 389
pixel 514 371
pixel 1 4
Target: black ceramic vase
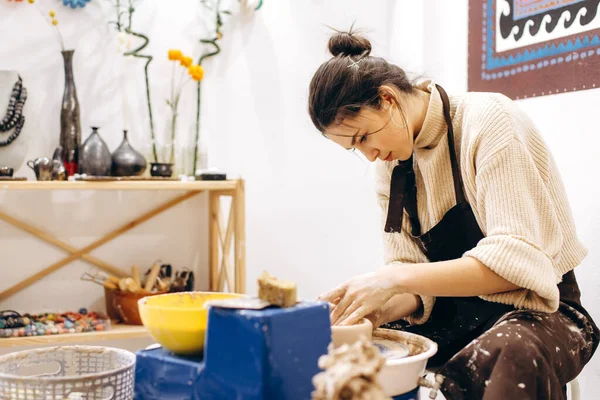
pixel 94 156
pixel 163 170
pixel 70 123
pixel 126 161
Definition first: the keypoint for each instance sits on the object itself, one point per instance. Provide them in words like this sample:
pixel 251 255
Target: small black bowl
pixel 6 171
pixel 164 170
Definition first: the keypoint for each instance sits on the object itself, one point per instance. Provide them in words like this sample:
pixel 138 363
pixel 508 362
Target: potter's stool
pixel 573 392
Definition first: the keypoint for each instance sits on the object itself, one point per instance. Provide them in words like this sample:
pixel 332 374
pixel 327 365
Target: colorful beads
pixel 53 324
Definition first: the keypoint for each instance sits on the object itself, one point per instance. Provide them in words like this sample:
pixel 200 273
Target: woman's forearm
pixel 462 277
pixel 399 306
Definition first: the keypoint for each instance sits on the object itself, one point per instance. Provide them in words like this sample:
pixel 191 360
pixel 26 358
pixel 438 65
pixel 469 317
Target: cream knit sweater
pixel 513 187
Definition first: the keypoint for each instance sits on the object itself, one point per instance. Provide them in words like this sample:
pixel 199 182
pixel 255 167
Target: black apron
pixel 454 321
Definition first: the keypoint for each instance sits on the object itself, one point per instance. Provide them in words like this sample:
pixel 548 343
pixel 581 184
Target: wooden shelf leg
pixel 225 240
pixel 239 201
pixel 214 210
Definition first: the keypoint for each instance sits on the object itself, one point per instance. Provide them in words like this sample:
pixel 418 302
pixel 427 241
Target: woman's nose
pixel 369 153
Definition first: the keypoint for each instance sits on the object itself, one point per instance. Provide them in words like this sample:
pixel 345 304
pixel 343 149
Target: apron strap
pixel 411 201
pixel 403 184
pixel 456 175
pixel 398 186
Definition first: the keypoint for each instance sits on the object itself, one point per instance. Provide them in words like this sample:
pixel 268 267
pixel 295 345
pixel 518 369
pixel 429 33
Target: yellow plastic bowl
pixel 178 321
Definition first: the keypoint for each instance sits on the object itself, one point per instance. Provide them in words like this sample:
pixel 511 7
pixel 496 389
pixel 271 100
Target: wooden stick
pixel 45 236
pixel 214 210
pixel 151 280
pixel 136 275
pixel 79 253
pixel 240 237
pixel 226 246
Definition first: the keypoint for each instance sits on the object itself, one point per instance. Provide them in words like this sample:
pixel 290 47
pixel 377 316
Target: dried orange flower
pixel 175 55
pixel 197 72
pixel 186 61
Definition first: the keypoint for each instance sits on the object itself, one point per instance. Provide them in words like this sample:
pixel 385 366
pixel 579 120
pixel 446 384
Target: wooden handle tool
pixel 110 285
pixel 151 280
pixel 137 277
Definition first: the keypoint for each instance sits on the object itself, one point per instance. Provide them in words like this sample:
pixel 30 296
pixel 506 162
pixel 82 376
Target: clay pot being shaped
pixel 126 161
pixel 94 156
pixel 348 334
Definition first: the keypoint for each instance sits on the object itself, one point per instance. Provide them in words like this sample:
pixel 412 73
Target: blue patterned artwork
pixel 530 48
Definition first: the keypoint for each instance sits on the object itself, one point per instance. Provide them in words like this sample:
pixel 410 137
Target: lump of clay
pixel 276 292
pixel 350 372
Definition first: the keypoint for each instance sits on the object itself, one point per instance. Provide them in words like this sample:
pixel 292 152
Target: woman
pixel 480 241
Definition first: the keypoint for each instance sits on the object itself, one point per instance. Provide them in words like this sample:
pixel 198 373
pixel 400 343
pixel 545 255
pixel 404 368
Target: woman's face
pixel 383 133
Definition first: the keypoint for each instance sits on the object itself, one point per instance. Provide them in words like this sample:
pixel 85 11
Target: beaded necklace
pixel 14 117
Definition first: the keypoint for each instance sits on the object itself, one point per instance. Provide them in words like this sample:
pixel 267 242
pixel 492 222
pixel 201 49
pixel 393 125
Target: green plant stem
pixel 173 130
pixel 204 56
pixel 118 6
pixel 134 53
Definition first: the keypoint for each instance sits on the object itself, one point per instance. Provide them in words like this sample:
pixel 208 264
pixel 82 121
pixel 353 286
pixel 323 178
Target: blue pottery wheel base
pixel 412 395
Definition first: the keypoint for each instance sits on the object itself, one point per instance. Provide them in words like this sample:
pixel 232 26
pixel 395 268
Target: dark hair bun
pixel 349 44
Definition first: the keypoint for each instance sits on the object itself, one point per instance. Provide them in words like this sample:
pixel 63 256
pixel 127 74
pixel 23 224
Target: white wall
pixel 569 123
pixel 311 212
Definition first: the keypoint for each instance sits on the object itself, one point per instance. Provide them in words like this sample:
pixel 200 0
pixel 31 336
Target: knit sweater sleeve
pixel 522 230
pixel 399 247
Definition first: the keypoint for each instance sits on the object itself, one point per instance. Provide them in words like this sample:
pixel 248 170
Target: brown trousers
pixel 524 354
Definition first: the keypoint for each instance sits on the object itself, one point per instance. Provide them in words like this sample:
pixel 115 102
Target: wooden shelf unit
pixel 223 235
pixel 120 185
pixel 117 332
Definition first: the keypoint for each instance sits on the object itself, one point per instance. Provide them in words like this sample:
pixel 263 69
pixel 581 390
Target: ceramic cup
pixel 348 334
pixel 6 171
pixel 42 166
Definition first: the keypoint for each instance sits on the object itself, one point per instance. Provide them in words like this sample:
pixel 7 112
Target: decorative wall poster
pixel 530 48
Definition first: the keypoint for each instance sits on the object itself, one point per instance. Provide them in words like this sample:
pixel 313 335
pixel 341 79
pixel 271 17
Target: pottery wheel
pixel 391 350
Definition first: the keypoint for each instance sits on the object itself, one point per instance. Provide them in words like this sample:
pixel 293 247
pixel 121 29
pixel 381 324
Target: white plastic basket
pixel 68 373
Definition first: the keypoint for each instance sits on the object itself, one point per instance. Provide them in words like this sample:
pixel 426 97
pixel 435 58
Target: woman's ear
pixel 388 96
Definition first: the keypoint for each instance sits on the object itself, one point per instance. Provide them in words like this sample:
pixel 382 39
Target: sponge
pixel 276 292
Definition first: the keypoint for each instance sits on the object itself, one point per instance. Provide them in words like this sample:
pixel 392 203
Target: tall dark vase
pixel 70 123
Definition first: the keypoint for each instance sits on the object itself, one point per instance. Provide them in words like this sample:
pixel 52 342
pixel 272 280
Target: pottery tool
pixel 110 285
pixel 113 279
pixel 97 279
pixel 135 274
pixel 162 285
pixel 151 280
pixel 128 285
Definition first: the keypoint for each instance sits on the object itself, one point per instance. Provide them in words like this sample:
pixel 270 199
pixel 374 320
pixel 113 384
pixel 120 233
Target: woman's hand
pixel 362 296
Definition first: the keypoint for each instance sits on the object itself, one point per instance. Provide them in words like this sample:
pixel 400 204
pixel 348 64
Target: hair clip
pixel 354 63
